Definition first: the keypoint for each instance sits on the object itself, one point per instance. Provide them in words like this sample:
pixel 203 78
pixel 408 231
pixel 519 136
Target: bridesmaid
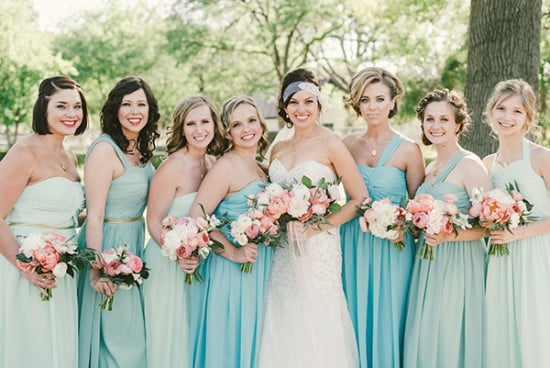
pixel 196 132
pixel 518 327
pixel 227 307
pixel 375 274
pixel 41 192
pixel 117 174
pixel 444 324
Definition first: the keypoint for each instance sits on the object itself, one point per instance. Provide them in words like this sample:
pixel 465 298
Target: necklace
pixel 373 152
pixel 62 166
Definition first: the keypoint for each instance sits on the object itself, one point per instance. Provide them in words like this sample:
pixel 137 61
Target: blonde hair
pixel 229 107
pixel 514 87
pixel 370 75
pixel 176 139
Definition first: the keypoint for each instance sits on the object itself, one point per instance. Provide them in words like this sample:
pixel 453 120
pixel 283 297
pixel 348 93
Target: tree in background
pixel 504 42
pixel 25 58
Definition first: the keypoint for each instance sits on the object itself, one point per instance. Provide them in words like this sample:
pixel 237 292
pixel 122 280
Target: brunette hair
pixel 111 125
pixel 462 118
pixel 47 88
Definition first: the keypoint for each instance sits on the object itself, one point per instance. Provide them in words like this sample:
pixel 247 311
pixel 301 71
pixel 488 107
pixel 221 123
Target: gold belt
pixel 41 226
pixel 122 221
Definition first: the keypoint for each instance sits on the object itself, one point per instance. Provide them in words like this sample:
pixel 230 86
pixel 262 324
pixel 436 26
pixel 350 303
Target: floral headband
pixel 297 86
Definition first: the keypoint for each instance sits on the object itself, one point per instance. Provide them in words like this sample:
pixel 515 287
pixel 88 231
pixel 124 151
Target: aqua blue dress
pixel 117 338
pixel 518 285
pixel 375 274
pixel 227 307
pixel 445 317
pixel 167 302
pixel 36 333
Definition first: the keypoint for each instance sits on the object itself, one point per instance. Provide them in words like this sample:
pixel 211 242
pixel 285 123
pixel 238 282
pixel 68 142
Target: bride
pixel 306 321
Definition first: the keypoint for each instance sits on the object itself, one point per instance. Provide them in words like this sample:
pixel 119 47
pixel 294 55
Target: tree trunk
pixel 504 43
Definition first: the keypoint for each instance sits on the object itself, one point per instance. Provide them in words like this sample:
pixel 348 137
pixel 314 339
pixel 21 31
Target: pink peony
pixel 135 263
pixel 252 231
pixel 112 268
pixel 47 256
pixel 420 220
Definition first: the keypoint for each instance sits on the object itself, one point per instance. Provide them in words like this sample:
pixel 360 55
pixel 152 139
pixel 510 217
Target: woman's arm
pixel 99 171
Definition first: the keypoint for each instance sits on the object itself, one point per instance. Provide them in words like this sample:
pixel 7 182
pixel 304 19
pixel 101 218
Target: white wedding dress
pixel 306 320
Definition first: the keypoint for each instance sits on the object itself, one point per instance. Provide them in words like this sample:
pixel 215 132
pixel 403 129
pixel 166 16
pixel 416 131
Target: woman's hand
pixel 505 236
pixel 102 284
pixel 189 264
pixel 41 281
pixel 435 239
pixel 246 253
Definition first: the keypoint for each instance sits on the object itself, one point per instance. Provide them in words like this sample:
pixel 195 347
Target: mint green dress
pixel 446 309
pixel 36 333
pixel 518 285
pixel 167 302
pixel 117 338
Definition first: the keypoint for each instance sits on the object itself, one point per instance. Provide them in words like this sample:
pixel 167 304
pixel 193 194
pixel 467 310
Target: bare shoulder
pixel 540 153
pixel 410 147
pixel 351 140
pixel 488 160
pixel 102 150
pixel 278 147
pixel 471 164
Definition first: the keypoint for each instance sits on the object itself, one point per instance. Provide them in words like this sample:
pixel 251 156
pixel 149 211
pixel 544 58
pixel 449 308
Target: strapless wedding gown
pixel 306 320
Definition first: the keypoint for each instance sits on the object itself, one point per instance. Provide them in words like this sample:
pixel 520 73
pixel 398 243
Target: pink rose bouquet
pixel 123 268
pixel 311 204
pixel 435 217
pixel 384 220
pixel 255 227
pixel 188 237
pixel 500 209
pixel 51 252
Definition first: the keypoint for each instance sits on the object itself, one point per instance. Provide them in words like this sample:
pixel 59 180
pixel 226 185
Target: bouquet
pixel 500 209
pixel 384 220
pixel 51 252
pixel 255 227
pixel 123 268
pixel 435 217
pixel 311 204
pixel 188 237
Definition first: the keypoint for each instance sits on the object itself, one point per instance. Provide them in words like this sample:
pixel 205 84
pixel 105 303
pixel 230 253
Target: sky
pixel 52 12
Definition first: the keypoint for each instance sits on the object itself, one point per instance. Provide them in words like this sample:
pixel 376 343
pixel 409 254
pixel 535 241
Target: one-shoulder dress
pixel 375 274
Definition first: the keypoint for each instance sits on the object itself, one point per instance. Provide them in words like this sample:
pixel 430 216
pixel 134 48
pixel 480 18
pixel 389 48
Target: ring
pixel 43 279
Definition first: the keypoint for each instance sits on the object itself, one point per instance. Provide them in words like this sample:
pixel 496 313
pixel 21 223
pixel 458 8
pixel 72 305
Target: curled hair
pixel 295 75
pixel 462 118
pixel 176 137
pixel 48 87
pixel 514 87
pixel 111 125
pixel 229 107
pixel 370 75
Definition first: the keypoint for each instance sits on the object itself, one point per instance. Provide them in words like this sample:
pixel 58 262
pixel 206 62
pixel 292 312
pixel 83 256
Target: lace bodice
pixel 314 170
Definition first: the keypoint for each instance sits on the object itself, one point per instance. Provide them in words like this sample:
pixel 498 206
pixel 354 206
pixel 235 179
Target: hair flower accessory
pixel 297 86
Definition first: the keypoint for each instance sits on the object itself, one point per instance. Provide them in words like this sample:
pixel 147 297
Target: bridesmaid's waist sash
pixel 123 221
pixel 41 226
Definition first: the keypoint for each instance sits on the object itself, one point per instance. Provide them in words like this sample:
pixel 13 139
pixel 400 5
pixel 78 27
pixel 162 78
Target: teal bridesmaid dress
pixel 36 333
pixel 375 274
pixel 117 338
pixel 518 285
pixel 167 302
pixel 445 317
pixel 227 307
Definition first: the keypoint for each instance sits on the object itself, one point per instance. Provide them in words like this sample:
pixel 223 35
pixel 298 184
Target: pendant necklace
pixel 62 166
pixel 373 152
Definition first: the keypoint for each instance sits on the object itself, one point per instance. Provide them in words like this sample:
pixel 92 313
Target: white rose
pixel 204 252
pixel 60 269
